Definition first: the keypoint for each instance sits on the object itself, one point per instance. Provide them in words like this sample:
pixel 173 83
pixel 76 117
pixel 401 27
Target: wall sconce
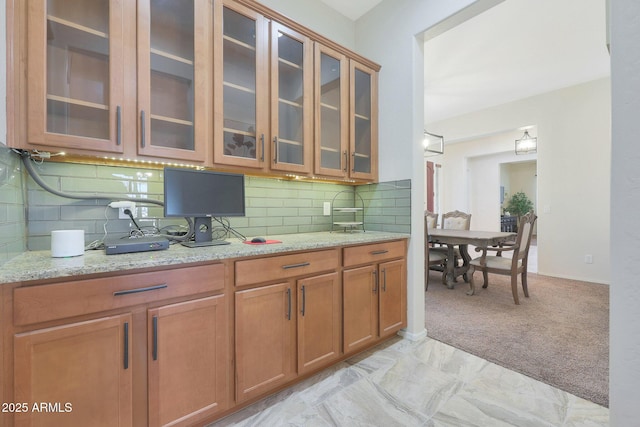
pixel 526 144
pixel 433 144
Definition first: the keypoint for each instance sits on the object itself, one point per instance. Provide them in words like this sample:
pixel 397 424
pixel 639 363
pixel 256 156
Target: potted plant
pixel 519 204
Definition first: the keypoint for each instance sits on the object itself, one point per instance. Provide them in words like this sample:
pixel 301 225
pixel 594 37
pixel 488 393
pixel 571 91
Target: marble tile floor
pixel 422 383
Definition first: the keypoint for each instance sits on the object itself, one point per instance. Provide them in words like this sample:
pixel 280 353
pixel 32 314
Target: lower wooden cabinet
pixel 319 321
pixel 374 294
pixel 181 346
pixel 286 329
pixel 187 361
pixel 81 373
pixel 265 339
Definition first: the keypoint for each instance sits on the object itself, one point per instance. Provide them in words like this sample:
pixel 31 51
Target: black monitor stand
pixel 203 234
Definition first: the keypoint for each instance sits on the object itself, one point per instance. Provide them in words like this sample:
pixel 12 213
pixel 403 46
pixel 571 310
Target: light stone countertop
pixel 39 265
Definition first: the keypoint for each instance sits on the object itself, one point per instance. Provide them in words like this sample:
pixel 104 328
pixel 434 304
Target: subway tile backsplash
pixel 273 206
pixel 12 206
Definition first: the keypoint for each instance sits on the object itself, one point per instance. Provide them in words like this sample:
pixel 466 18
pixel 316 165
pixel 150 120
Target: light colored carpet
pixel 559 335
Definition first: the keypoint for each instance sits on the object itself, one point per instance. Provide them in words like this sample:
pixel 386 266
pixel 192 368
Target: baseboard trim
pixel 411 336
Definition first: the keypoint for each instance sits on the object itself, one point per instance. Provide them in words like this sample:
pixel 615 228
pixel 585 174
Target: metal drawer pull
pixel 302 264
pixel 384 251
pixel 126 345
pixel 155 338
pixel 138 290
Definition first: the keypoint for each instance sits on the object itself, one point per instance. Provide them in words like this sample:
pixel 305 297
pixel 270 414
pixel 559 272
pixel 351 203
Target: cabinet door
pixel 241 86
pixel 331 112
pixel 188 361
pixel 319 321
pixel 364 122
pixel 75 74
pixel 360 307
pixel 291 100
pixel 393 297
pixel 265 337
pixel 83 370
pixel 173 88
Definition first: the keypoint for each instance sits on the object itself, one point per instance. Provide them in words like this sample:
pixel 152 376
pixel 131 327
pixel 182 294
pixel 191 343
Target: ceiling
pixel 517 49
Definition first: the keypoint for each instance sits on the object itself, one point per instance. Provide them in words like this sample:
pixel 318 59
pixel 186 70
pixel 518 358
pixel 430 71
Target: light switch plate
pixel 326 208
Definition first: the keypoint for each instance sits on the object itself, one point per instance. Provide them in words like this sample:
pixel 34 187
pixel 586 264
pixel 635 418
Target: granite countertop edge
pixel 39 265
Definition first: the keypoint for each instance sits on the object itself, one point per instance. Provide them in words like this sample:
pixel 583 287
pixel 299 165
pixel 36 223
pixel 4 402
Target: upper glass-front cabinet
pixel 172 103
pixel 292 100
pixel 364 122
pixel 75 92
pixel 331 112
pixel 241 86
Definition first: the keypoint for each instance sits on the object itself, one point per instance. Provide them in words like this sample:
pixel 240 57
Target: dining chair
pixel 454 220
pixel 431 258
pixel 431 219
pixel 513 266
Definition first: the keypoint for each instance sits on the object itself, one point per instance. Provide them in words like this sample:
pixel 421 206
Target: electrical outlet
pixel 588 259
pixel 122 215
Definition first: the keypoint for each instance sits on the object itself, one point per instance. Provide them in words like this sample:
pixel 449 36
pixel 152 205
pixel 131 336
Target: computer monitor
pixel 203 194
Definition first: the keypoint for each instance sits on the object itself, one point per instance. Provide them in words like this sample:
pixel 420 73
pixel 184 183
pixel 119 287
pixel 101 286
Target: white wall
pixel 387 35
pixel 574 144
pixel 625 203
pixel 318 17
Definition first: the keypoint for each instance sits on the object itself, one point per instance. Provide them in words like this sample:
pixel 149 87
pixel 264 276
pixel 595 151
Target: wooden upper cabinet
pixel 291 100
pixel 83 61
pixel 75 94
pixel 173 69
pixel 241 86
pixel 331 106
pixel 363 109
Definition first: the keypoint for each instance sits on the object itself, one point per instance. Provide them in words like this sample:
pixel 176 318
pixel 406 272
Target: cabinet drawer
pixel 262 270
pixel 33 304
pixel 373 253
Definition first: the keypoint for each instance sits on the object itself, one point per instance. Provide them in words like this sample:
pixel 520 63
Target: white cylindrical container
pixel 66 243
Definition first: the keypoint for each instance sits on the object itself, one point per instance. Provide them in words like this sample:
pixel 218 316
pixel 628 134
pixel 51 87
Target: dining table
pixel 462 239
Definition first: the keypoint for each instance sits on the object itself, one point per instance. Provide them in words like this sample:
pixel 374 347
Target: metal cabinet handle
pixel 375 281
pixel 154 350
pixel 143 130
pixel 384 280
pixel 289 304
pixel 126 345
pixel 384 251
pixel 346 160
pixel 118 125
pixel 302 264
pixel 304 300
pixel 353 160
pixel 275 149
pixel 262 147
pixel 138 290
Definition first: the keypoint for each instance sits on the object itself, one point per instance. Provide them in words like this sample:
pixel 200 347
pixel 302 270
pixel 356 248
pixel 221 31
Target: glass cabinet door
pixel 332 112
pixel 292 96
pixel 241 86
pixel 364 122
pixel 172 98
pixel 75 91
